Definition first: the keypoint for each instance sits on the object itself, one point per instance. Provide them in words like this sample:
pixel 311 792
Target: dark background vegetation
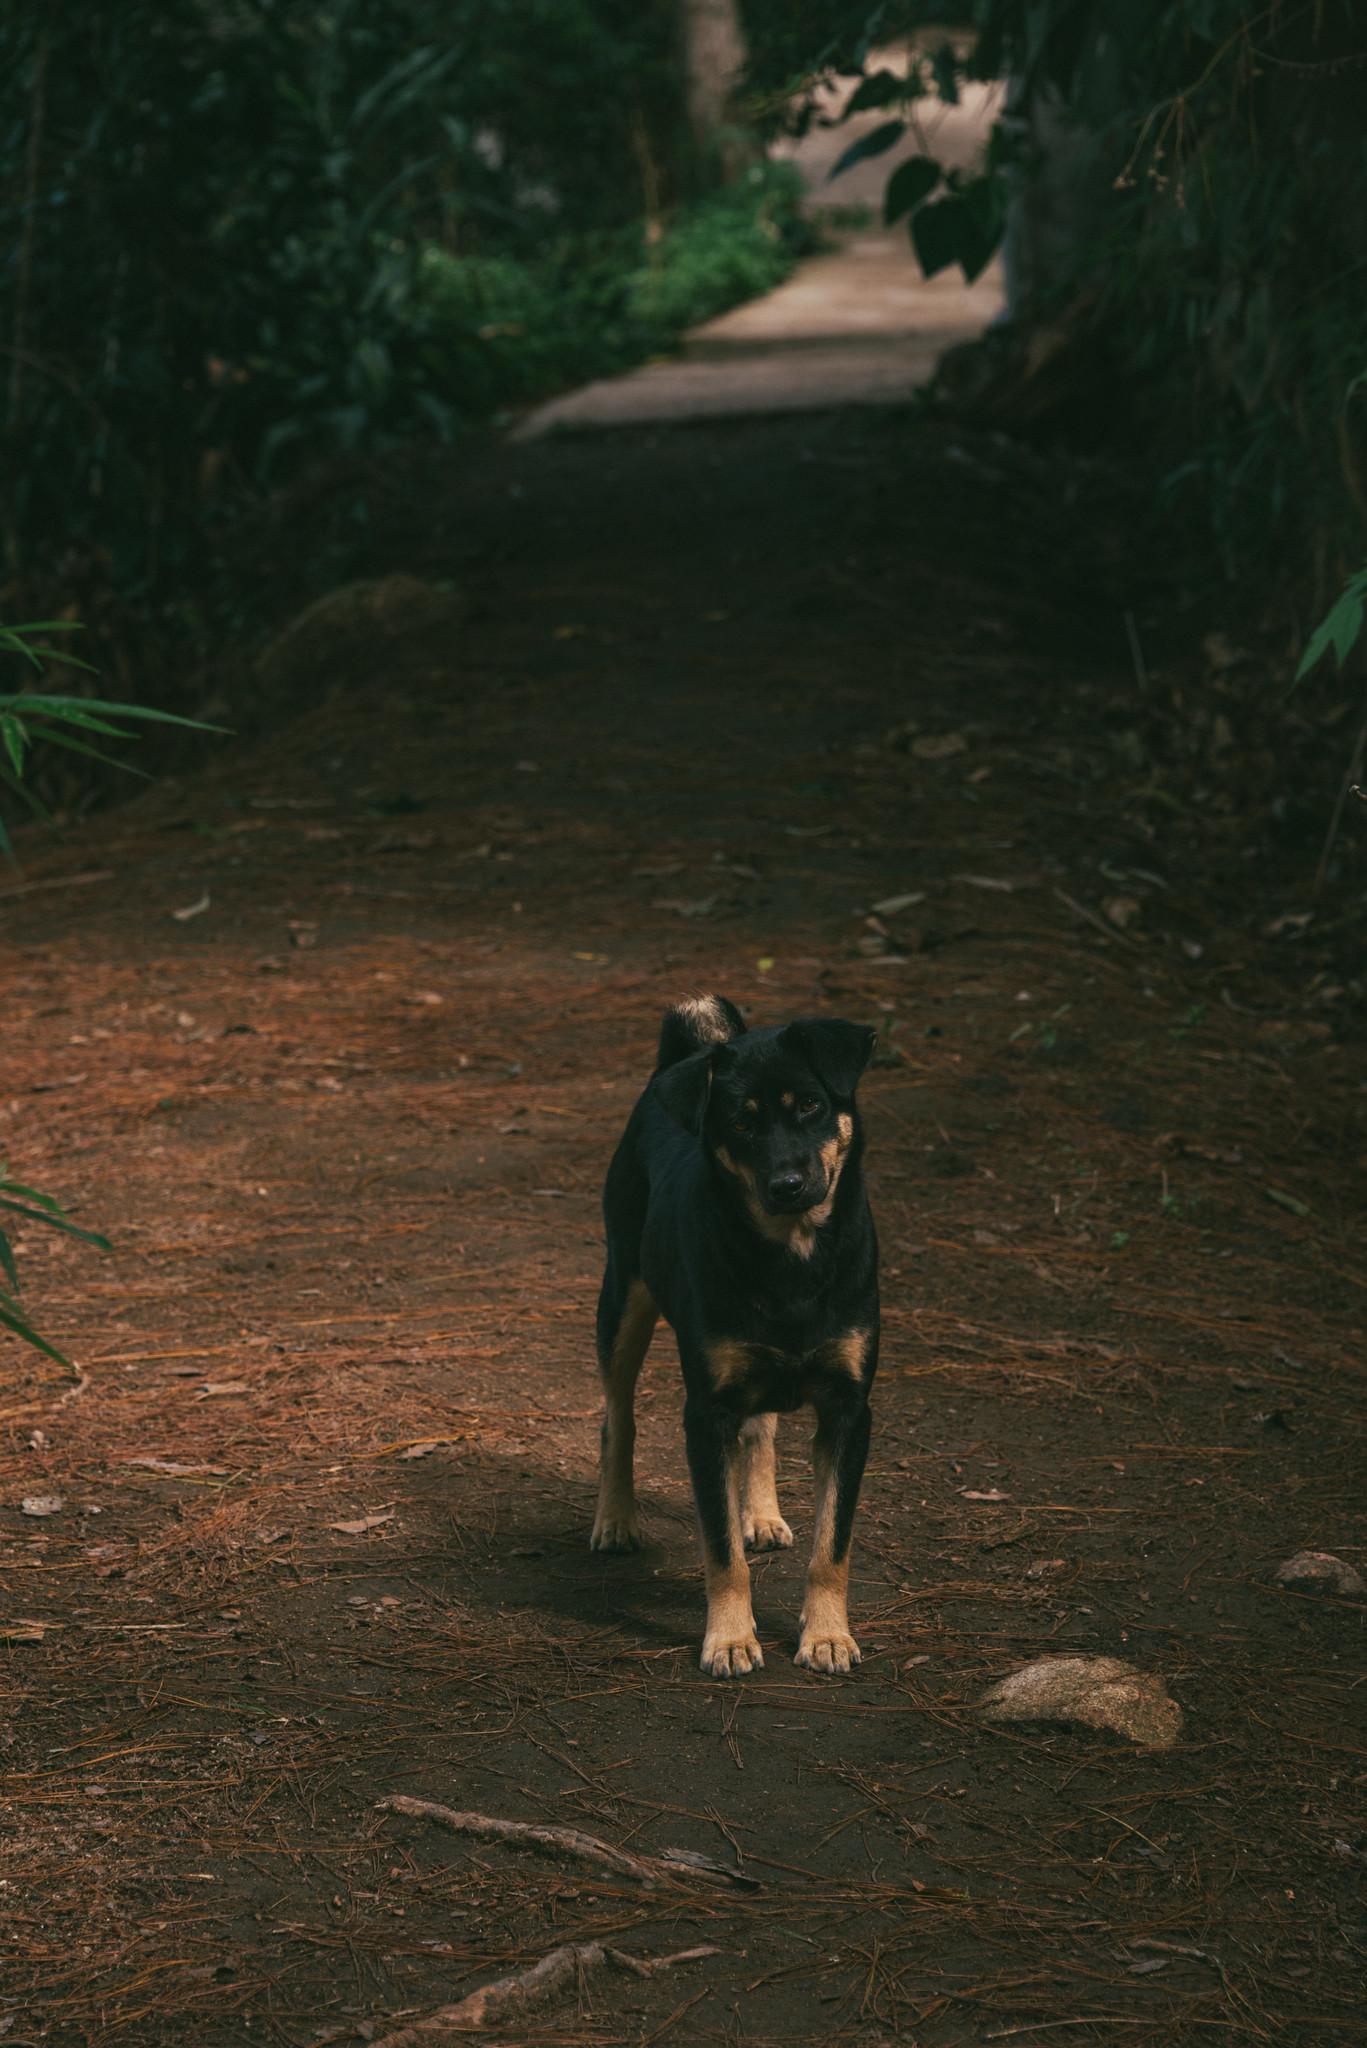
pixel 245 240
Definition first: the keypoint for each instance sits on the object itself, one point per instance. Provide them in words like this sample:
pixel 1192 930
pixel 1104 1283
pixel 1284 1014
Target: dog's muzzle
pixel 789 1193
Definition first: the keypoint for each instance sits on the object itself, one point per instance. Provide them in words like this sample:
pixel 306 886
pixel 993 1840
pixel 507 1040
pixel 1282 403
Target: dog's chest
pixel 760 1378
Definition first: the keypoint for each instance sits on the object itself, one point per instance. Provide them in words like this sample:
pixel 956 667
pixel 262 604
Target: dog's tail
pixel 696 1022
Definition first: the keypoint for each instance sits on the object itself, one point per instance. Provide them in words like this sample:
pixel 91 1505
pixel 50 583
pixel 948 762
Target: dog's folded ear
pixel 836 1052
pixel 683 1087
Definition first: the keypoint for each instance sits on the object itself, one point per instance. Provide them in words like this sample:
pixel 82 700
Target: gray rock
pixel 1319 1571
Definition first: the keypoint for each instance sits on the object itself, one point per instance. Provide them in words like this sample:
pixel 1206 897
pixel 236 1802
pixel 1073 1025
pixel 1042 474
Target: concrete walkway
pixel 856 325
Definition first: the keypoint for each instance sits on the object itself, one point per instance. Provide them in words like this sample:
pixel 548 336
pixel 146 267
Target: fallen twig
pixel 665 1867
pixel 510 1997
pixel 546 1841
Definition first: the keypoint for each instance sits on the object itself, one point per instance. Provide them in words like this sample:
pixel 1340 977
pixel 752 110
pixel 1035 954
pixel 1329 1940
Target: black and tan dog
pixel 735 1208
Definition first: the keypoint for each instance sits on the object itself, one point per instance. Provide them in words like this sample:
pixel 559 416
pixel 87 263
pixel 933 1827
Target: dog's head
pixel 776 1108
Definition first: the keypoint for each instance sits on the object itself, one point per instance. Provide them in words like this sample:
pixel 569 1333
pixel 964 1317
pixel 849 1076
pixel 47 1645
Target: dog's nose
pixel 784 1186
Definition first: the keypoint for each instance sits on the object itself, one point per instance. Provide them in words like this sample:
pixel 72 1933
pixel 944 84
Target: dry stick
pixel 663 1868
pixel 510 1997
pixel 548 1841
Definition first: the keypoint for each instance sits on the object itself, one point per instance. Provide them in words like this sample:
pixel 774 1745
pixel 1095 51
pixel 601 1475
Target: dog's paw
pixel 827 1650
pixel 616 1530
pixel 732 1656
pixel 766 1532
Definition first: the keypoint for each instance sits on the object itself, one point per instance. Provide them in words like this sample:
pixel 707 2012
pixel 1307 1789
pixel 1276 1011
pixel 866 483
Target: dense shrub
pixel 244 234
pixel 1214 273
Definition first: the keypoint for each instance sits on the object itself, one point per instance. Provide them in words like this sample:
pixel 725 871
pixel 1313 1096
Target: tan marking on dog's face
pixel 750 1106
pixel 844 1354
pixel 787 1098
pixel 796 1234
pixel 844 1124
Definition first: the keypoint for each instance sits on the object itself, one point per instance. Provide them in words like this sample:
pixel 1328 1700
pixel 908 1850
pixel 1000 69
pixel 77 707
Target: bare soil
pixel 347 1126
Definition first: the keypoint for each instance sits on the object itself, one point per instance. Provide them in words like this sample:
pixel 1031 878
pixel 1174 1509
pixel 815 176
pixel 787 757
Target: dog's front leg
pixel 730 1647
pixel 838 1452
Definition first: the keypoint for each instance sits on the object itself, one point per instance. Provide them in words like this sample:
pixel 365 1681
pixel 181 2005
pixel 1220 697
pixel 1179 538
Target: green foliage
pixel 1340 628
pixel 1219 274
pixel 28 717
pixel 730 247
pixel 33 1207
pixel 243 235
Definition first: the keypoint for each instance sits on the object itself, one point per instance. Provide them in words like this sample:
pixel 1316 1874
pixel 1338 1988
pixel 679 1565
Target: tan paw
pixel 766 1532
pixel 827 1651
pixel 616 1529
pixel 732 1656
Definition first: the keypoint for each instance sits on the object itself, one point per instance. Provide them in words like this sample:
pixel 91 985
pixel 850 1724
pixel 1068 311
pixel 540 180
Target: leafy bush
pixel 29 717
pixel 244 234
pixel 1218 283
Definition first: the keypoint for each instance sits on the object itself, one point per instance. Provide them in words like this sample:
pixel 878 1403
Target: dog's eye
pixel 808 1108
pixel 739 1124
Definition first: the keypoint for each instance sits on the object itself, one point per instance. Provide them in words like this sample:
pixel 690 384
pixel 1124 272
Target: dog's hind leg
pixel 762 1522
pixel 627 1316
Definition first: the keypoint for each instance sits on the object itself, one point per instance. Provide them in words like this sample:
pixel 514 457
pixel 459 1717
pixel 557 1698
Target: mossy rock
pixel 338 637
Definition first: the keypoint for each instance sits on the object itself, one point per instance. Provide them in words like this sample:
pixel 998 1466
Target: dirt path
pixel 347 1126
pixel 856 324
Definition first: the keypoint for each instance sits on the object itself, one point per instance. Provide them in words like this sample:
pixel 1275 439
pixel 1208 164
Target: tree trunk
pixel 714 56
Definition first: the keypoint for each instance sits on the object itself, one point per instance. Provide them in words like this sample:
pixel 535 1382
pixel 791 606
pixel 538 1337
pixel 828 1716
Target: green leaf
pixel 85 720
pixel 16 1187
pixel 15 739
pixel 964 228
pixel 945 66
pixel 881 89
pixel 64 739
pixel 69 707
pixel 11 1319
pixel 873 144
pixel 7 1262
pixel 57 1222
pixel 1340 627
pixel 909 184
pixel 935 233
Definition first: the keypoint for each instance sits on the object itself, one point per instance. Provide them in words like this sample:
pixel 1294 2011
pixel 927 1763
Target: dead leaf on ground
pixel 939 746
pixel 890 905
pixel 993 1493
pixel 1099 1692
pixel 359 1527
pixel 213 1388
pixel 195 909
pixel 42 1504
pixel 1122 910
pixel 22 1631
